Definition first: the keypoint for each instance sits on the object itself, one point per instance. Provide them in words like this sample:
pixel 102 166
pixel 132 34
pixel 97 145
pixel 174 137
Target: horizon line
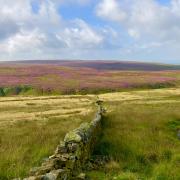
pixel 110 60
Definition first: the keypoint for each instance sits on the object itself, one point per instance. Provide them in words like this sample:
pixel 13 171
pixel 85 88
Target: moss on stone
pixel 72 137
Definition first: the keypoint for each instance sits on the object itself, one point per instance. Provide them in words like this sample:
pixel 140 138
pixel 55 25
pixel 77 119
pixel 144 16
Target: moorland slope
pixel 80 77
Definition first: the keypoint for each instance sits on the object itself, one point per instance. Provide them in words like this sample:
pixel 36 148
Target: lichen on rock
pixel 72 154
pixel 72 137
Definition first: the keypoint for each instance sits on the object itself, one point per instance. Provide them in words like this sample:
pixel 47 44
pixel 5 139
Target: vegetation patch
pixel 140 140
pixel 43 79
pixel 27 139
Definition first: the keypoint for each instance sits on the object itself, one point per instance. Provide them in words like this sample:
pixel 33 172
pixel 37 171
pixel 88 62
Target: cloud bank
pixel 126 29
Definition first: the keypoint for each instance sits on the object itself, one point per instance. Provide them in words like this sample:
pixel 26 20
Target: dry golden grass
pixel 31 127
pixel 141 95
pixel 13 109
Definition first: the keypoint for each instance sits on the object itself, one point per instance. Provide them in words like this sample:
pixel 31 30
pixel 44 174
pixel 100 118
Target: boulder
pixel 72 137
pixel 81 176
pixel 57 175
pixel 61 148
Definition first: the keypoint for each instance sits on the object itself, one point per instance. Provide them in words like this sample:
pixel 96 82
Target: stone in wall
pixel 72 154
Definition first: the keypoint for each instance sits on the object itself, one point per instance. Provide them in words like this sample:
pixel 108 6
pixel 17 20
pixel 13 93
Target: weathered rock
pixel 60 163
pixel 61 148
pixel 72 147
pixel 52 156
pixel 34 178
pixel 71 162
pixel 57 175
pixel 41 170
pixel 86 130
pixel 81 176
pixel 33 171
pixel 50 163
pixel 72 154
pixel 72 137
pixel 99 102
pixel 49 176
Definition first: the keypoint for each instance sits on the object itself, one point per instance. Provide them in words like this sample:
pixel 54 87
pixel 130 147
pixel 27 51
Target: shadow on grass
pixel 119 150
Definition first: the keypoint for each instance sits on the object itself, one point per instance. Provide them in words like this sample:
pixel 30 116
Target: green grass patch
pixel 27 143
pixel 142 139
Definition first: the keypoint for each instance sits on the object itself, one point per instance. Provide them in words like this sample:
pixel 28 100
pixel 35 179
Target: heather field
pixel 78 78
pixel 31 128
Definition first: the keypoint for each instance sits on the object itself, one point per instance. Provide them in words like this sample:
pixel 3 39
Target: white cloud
pixel 128 27
pixel 151 25
pixel 175 7
pixel 81 2
pixel 110 9
pixel 81 35
pixel 27 34
pixel 25 41
pixel 134 33
pixel 7 28
pixel 143 18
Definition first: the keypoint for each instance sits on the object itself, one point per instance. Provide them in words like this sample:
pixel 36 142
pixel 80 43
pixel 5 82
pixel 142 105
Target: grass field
pixel 31 128
pixel 140 135
pixel 139 132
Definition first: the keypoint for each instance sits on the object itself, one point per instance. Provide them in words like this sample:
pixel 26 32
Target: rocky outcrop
pixel 72 154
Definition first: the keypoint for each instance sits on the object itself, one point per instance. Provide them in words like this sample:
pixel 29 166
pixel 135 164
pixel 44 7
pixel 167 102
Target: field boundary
pixel 71 155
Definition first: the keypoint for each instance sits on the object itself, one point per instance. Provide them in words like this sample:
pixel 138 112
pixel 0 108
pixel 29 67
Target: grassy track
pixel 140 135
pixel 31 127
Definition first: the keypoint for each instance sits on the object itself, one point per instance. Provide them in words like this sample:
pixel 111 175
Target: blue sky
pixel 137 30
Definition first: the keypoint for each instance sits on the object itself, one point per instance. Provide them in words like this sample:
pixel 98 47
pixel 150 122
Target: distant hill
pixel 104 65
pixel 77 77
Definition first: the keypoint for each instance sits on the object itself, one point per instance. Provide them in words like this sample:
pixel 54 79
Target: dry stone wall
pixel 72 154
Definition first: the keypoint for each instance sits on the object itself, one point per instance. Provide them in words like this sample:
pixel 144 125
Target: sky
pixel 139 30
